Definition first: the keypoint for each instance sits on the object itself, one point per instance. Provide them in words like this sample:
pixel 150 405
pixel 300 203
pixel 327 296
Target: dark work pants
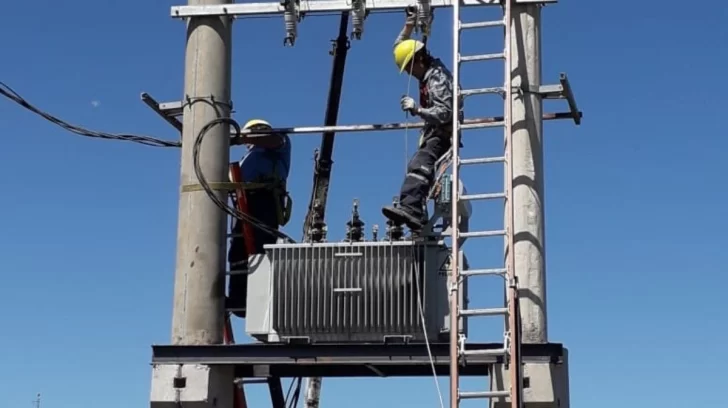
pixel 421 174
pixel 262 206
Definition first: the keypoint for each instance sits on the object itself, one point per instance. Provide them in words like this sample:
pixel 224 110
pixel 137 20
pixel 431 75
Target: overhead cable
pixel 9 93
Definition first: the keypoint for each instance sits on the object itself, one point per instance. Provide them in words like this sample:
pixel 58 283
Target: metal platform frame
pixel 270 362
pixel 345 360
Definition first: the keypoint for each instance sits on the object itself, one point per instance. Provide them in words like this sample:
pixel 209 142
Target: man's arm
pixel 440 111
pixel 266 142
pixel 409 26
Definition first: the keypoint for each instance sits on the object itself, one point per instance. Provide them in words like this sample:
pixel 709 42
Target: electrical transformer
pixel 363 292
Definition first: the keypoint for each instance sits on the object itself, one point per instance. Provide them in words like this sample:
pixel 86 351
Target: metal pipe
pixel 478 123
pixel 455 247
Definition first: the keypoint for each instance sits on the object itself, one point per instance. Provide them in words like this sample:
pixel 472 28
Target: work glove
pixel 408 105
pixel 410 16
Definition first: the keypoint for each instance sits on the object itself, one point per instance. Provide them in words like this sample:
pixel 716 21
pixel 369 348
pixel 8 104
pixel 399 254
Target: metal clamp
pixel 424 17
pixel 359 13
pixel 292 16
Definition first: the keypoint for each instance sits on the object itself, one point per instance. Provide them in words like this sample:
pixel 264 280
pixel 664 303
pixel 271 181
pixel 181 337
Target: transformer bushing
pixel 318 229
pixel 355 226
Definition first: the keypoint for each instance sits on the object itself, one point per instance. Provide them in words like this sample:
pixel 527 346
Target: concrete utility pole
pixel 199 287
pixel 528 171
pixel 549 383
pixel 199 284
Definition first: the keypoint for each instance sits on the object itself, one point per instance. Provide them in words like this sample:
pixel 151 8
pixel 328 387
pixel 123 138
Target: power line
pixel 9 93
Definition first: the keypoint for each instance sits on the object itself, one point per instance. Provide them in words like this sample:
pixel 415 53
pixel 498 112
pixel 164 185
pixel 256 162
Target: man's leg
pixel 417 183
pixel 238 261
pixel 263 208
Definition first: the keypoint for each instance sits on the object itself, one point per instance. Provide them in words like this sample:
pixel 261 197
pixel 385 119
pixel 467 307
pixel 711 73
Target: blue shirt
pixel 260 162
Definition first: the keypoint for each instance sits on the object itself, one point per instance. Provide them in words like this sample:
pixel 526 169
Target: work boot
pixel 401 216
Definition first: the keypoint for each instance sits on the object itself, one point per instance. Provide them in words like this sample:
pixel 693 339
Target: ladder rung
pixel 482 234
pixel 485 196
pixel 235 309
pixel 483 57
pixel 481 91
pixel 484 312
pixel 466 126
pixel 478 272
pixel 483 394
pixel 233 273
pixel 486 352
pixel 482 24
pixel 482 160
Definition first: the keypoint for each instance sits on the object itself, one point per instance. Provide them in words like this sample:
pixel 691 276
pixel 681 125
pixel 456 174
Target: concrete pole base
pixel 546 385
pixel 191 386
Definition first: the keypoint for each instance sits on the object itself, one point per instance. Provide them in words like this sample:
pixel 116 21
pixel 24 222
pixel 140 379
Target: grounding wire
pixel 222 204
pixel 424 331
pixel 9 93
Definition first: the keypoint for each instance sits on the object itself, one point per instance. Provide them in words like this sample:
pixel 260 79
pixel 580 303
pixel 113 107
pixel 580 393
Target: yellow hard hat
pixel 256 122
pixel 405 51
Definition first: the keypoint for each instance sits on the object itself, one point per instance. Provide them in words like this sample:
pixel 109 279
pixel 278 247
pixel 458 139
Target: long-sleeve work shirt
pixel 436 95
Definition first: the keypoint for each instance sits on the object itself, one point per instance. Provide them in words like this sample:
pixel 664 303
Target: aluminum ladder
pixel 512 342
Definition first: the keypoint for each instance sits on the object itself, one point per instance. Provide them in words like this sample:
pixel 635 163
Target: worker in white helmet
pixel 264 168
pixel 435 108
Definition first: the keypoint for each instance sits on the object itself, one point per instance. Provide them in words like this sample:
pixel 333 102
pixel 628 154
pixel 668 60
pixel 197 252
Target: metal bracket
pixel 321 7
pixel 169 111
pixel 560 91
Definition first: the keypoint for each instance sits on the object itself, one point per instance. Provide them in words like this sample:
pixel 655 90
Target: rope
pixel 406 120
pixel 424 331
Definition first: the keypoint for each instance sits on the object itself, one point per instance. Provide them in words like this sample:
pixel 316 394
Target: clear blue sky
pixel 635 196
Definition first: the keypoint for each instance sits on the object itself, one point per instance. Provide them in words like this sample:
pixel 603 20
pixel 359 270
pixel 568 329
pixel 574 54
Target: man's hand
pixel 410 16
pixel 408 105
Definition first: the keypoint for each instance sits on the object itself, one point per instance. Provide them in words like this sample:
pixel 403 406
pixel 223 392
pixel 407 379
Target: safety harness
pixel 425 102
pixel 276 185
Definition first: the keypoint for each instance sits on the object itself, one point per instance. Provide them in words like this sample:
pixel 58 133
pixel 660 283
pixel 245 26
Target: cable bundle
pixel 9 93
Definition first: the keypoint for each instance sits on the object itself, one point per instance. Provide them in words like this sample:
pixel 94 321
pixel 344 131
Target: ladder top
pixel 322 6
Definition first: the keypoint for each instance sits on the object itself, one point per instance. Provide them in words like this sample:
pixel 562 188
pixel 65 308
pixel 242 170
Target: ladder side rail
pixel 511 282
pixel 454 246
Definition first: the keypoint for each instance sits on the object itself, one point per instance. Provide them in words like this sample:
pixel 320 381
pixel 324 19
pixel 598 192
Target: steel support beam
pixel 276 392
pixel 344 360
pixel 322 6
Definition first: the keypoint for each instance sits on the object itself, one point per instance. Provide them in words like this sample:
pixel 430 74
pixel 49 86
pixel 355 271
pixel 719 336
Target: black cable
pixel 223 205
pixel 9 93
pixel 297 393
pixel 288 393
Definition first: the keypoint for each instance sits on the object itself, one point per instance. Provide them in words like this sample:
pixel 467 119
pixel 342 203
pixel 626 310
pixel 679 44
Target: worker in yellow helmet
pixel 435 109
pixel 265 166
